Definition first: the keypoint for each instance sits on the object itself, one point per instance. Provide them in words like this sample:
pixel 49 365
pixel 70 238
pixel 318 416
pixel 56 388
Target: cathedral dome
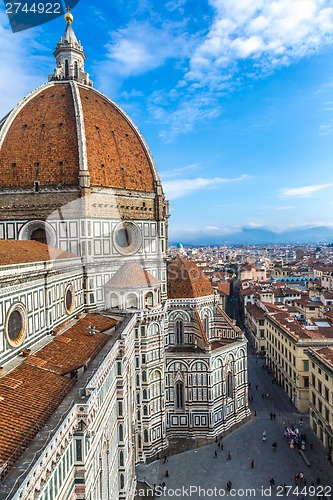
pixel 186 280
pixel 65 130
pixel 67 134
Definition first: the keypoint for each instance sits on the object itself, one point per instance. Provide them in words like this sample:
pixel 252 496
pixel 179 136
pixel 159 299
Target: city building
pixel 106 352
pixel 321 395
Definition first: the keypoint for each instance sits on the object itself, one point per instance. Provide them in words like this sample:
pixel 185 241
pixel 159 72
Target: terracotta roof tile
pixel 32 391
pixel 132 275
pixel 187 280
pixel 75 347
pixel 21 252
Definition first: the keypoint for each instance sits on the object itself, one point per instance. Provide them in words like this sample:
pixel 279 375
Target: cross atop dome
pixel 69 56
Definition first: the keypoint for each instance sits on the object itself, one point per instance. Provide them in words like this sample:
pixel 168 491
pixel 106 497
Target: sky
pixel 234 98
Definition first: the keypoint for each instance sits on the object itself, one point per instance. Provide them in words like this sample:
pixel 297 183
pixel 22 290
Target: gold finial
pixel 68 16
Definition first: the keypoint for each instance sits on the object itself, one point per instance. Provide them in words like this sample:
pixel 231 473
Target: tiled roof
pixel 326 353
pixel 131 275
pixel 187 280
pixel 75 347
pixel 255 311
pixel 32 391
pixel 20 252
pixel 42 142
pixel 28 397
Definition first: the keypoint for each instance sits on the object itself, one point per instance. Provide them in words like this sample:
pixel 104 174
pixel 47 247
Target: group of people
pixel 295 437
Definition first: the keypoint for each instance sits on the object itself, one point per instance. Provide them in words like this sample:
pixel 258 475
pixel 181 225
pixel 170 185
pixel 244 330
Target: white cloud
pixel 268 33
pixel 17 78
pixel 180 171
pixel 303 191
pixel 212 228
pixel 141 47
pixel 182 187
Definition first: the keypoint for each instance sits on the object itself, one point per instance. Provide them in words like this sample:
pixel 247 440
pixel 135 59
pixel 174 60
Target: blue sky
pixel 235 100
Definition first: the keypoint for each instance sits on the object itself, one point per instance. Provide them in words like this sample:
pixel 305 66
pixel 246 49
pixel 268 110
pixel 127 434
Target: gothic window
pixel 144 376
pixel 145 436
pixel 179 332
pixel 144 394
pixel 229 385
pixel 122 481
pixel 121 433
pixel 121 459
pixel 66 68
pixel 153 329
pixel 179 395
pixel 145 410
pixel 76 70
pixel 206 325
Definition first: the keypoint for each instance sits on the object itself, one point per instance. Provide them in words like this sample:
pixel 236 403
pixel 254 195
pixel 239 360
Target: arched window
pixel 122 481
pixel 76 70
pixel 153 330
pixel 179 402
pixel 131 301
pixel 144 394
pixel 137 380
pixel 139 441
pixel 229 385
pixel 149 299
pixel 145 410
pixel 114 301
pixel 144 376
pixel 145 436
pixel 179 332
pixel 121 459
pixel 139 415
pixel 66 68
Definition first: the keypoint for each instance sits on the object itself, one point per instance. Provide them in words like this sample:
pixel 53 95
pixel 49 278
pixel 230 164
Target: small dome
pixel 187 280
pixel 180 245
pixel 132 275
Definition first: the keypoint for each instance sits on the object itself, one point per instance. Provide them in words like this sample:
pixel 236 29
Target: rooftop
pixel 14 252
pixel 32 391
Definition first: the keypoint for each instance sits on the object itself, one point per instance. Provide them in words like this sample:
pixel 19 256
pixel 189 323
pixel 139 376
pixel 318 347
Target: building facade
pixel 105 351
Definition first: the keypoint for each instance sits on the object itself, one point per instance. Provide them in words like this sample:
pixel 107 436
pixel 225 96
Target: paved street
pixel 199 468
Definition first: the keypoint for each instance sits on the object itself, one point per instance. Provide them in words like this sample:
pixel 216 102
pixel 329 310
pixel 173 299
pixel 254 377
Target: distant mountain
pixel 262 236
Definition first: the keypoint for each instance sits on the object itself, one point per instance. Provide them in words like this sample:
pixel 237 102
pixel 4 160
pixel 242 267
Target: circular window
pixel 16 325
pixel 38 230
pixel 127 238
pixel 69 299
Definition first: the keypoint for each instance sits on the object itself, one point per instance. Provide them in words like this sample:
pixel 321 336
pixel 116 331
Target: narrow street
pixel 199 468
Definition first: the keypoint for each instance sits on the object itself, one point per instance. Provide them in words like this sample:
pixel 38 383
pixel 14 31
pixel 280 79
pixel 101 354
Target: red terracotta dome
pixel 65 129
pixel 186 280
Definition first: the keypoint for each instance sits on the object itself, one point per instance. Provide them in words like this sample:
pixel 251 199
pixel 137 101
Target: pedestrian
pixel 167 473
pixel 165 458
pixel 215 454
pixel 271 415
pixel 222 446
pixel 229 485
pixel 229 456
pixel 318 481
pixel 255 413
pixel 219 444
pixel 262 394
pixel 252 463
pixel 301 476
pixel 256 387
pixel 274 416
pixel 311 446
pixel 272 482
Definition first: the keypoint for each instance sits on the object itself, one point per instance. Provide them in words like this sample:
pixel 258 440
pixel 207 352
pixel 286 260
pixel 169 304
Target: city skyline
pixel 235 102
